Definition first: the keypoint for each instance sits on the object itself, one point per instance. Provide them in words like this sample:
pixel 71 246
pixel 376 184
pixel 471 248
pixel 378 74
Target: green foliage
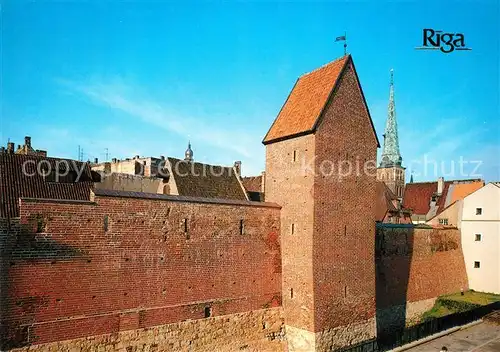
pixel 456 303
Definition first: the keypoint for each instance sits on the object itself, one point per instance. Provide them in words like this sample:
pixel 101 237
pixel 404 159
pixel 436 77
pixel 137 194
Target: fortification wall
pixel 79 269
pixel 415 265
pixel 261 330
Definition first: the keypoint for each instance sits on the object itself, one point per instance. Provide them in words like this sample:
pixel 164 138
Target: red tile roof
pixel 462 190
pixel 306 101
pixel 14 183
pixel 386 208
pixel 383 204
pixel 417 196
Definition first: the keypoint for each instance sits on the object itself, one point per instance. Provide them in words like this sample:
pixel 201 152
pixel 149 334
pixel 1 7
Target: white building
pixel 481 238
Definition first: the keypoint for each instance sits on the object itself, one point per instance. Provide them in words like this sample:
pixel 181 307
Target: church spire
pixel 390 153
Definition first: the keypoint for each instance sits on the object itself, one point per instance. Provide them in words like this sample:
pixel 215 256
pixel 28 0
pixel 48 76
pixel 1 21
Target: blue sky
pixel 143 78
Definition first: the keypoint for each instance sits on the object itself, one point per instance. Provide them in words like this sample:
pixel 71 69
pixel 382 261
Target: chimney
pixel 237 167
pixel 440 186
pixel 136 157
pixel 10 148
pixel 96 161
pixel 27 141
pixel 162 157
pixel 263 183
pixel 113 160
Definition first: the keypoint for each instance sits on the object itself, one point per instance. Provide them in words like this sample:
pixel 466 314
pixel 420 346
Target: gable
pixel 347 102
pixel 306 102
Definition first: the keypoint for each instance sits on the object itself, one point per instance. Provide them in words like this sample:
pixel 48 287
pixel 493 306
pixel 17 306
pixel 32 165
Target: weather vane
pixel 344 39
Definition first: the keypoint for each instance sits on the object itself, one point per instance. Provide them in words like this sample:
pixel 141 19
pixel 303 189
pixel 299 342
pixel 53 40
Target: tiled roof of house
pixel 417 196
pixel 252 183
pixel 253 186
pixel 383 201
pixel 306 101
pixel 462 190
pixel 14 183
pixel 206 181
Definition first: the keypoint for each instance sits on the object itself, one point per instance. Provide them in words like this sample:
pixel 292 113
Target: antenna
pixel 107 153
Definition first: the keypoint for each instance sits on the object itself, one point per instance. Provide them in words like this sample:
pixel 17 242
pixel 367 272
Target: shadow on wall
pixel 21 246
pixel 394 245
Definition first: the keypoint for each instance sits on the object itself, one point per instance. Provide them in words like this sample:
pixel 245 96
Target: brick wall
pixel 344 215
pixel 297 201
pixel 88 268
pixel 415 264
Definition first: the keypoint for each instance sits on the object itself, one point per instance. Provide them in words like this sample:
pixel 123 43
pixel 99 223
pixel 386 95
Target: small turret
pixel 188 155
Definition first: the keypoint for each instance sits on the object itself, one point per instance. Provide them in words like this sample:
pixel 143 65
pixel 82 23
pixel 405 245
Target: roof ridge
pixel 325 65
pixel 449 181
pixel 197 162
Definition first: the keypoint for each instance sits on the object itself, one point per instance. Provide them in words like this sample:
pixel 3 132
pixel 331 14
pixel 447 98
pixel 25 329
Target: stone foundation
pixel 343 336
pixel 261 330
pixel 396 317
pixel 300 340
pixel 415 309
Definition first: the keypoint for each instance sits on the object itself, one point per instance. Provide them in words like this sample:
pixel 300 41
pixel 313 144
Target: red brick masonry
pixel 415 264
pixel 88 268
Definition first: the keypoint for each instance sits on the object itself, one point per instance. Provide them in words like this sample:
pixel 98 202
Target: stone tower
pixel 328 214
pixel 390 170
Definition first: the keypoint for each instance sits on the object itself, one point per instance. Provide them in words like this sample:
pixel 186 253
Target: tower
pixel 390 170
pixel 327 214
pixel 188 154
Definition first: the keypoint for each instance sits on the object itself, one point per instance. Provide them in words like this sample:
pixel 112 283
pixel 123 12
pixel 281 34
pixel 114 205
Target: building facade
pixel 25 149
pixel 481 238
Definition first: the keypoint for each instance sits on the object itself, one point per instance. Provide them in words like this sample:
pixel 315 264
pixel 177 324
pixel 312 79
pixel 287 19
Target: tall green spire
pixel 390 153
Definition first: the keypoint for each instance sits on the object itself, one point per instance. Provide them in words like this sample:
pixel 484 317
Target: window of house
pixel 291 293
pixel 292 230
pixel 477 265
pixel 434 198
pixel 294 155
pixel 478 237
pixel 479 211
pixel 443 221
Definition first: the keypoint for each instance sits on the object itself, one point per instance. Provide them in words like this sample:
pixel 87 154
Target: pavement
pixel 484 337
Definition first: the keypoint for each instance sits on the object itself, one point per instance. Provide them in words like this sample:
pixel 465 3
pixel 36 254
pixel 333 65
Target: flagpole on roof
pixel 344 39
pixel 345 43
